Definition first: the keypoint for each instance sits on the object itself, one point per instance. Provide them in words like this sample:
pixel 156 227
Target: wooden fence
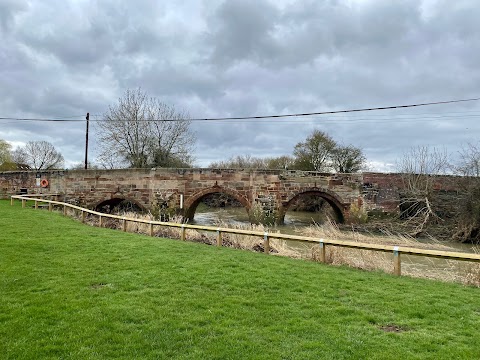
pixel 397 251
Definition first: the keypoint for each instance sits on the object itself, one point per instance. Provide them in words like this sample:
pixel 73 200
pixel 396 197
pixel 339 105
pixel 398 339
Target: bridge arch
pixel 192 201
pixel 330 197
pixel 108 205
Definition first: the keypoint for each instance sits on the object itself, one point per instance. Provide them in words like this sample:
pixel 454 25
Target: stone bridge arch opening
pixel 193 201
pixel 325 201
pixel 119 204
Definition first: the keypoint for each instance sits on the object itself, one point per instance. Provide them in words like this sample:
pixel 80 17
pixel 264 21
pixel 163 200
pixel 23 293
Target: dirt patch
pixel 393 328
pixel 98 286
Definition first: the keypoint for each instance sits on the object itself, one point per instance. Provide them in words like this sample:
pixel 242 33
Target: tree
pixel 319 152
pixel 81 166
pixel 469 164
pixel 251 162
pixel 5 149
pixel 468 210
pixel 419 168
pixel 143 132
pixel 282 162
pixel 347 159
pixel 39 155
pixel 314 154
pixel 240 162
pixel 6 156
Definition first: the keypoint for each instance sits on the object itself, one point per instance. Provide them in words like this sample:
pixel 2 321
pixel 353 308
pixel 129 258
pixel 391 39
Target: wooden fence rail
pixel 397 251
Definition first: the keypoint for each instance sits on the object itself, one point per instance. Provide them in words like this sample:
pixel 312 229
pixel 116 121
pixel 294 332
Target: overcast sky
pixel 216 58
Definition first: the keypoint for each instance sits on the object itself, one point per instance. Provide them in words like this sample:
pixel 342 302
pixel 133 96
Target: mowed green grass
pixel 70 291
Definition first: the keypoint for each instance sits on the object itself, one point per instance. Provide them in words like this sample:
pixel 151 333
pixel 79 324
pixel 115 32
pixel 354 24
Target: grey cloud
pixel 239 58
pixel 242 30
pixel 9 9
pixel 167 80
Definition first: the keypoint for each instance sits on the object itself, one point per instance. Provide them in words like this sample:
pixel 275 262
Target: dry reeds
pixel 415 266
pixel 237 241
pixel 255 243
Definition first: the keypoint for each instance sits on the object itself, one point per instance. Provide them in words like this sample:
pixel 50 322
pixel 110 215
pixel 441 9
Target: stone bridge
pixel 181 190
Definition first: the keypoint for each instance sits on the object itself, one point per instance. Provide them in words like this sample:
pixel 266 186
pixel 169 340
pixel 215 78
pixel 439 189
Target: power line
pixel 339 119
pixel 269 116
pixel 54 119
pixel 342 111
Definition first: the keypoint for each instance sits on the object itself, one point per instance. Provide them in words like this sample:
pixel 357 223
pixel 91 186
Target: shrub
pixel 357 214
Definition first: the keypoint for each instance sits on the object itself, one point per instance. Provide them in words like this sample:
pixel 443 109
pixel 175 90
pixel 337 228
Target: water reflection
pixel 294 220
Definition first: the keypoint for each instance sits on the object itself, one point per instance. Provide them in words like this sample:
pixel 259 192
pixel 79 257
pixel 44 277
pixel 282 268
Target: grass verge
pixel 72 291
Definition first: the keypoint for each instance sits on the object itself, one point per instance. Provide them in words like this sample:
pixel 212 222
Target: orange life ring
pixel 44 183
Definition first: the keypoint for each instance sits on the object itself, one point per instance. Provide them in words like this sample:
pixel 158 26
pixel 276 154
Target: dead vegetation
pixel 415 266
pixel 253 243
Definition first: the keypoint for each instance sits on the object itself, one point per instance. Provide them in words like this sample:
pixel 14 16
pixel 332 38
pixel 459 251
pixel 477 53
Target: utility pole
pixel 86 141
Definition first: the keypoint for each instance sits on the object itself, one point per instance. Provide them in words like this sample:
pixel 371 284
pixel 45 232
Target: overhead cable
pixel 268 116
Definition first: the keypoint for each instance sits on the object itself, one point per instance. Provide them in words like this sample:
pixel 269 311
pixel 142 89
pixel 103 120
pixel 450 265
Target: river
pixel 296 221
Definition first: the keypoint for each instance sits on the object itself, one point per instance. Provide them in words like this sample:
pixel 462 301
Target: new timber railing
pixel 397 251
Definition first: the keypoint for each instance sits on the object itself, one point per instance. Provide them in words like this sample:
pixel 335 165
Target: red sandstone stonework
pixel 372 191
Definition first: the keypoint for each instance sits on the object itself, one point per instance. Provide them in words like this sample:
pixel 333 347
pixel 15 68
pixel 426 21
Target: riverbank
pixel 299 223
pixel 71 290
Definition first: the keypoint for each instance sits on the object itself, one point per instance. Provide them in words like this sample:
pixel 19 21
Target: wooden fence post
pixel 322 251
pixel 397 252
pixel 266 243
pixel 397 265
pixel 219 237
pixel 183 232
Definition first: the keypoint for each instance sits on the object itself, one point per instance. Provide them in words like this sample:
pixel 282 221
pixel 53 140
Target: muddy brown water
pixel 295 221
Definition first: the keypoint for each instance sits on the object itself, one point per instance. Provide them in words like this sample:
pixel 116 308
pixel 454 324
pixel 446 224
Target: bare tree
pixel 142 132
pixel 469 164
pixel 240 162
pixel 81 166
pixel 468 209
pixel 319 152
pixel 281 162
pixel 251 162
pixel 418 163
pixel 419 168
pixel 39 155
pixel 109 160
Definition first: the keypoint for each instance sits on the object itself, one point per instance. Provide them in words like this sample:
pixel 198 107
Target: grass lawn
pixel 70 291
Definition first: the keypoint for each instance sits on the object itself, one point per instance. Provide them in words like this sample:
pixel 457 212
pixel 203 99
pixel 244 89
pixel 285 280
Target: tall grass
pixel 237 241
pixel 415 266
